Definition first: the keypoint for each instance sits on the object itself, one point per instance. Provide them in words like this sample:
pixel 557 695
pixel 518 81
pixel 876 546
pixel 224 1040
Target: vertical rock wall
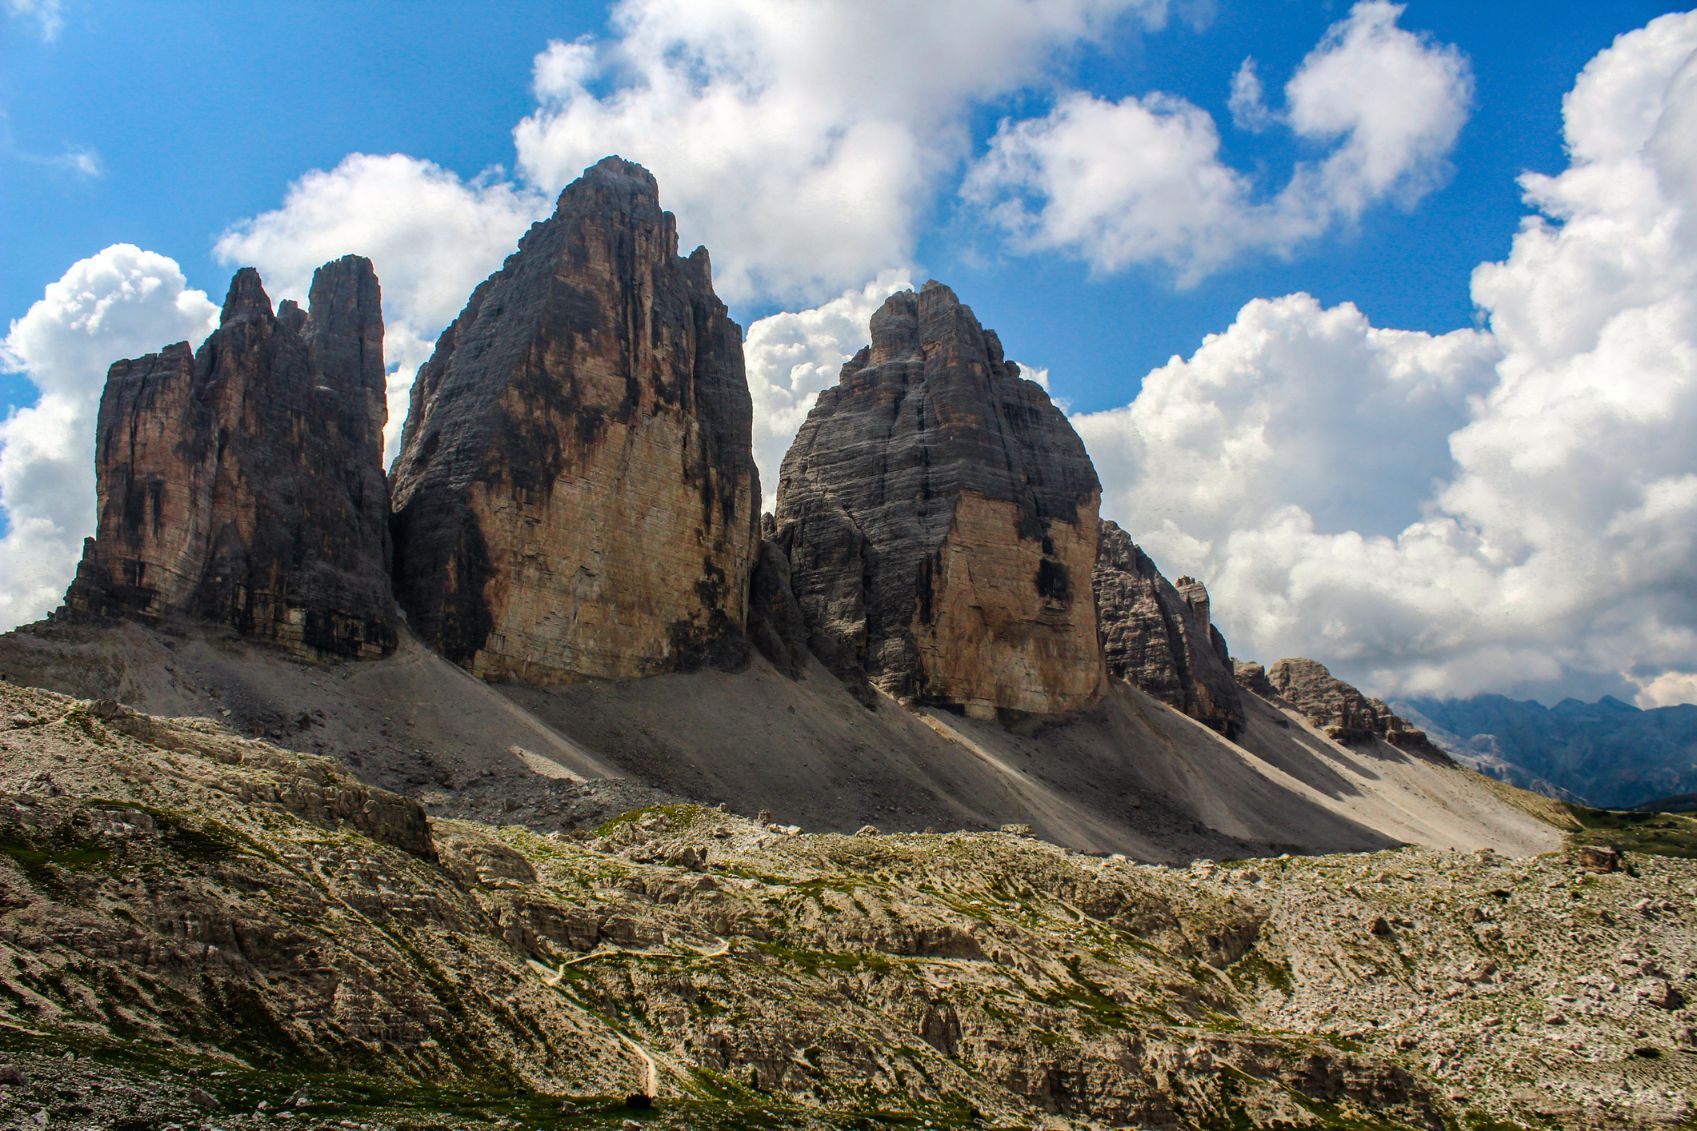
pixel 939 515
pixel 576 492
pixel 243 483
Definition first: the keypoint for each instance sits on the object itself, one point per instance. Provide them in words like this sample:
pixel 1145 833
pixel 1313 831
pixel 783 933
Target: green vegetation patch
pixel 1655 834
pixel 676 817
pixel 38 857
pixel 1255 969
pixel 335 1099
pixel 815 961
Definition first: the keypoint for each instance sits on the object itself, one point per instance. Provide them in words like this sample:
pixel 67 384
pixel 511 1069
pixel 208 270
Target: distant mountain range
pixel 1606 753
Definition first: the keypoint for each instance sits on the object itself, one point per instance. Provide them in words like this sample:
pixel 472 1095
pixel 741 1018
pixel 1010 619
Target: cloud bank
pixel 1501 509
pixel 120 302
pixel 804 152
pixel 1142 180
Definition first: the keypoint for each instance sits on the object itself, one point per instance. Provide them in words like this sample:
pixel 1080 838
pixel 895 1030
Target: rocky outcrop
pixel 1344 713
pixel 1252 677
pixel 1159 636
pixel 576 492
pixel 939 514
pixel 243 483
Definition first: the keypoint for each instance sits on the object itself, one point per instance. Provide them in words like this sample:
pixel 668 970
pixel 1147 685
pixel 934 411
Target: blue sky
pixel 1343 463
pixel 201 117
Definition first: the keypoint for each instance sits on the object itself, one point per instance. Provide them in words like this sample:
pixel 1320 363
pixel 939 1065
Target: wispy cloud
pixel 47 15
pixel 82 160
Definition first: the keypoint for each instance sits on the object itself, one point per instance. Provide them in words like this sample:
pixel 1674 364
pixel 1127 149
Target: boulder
pixel 939 514
pixel 576 492
pixel 242 483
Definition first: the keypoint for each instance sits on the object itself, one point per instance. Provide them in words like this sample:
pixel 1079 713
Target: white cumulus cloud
pixel 1514 507
pixel 120 302
pixel 1142 180
pixel 803 151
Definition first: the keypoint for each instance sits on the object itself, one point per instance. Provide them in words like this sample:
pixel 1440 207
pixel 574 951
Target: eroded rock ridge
pixel 1160 637
pixel 1343 712
pixel 242 483
pixel 576 492
pixel 939 517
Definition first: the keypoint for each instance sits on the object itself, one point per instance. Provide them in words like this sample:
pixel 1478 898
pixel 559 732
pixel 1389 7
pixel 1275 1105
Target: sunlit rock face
pixel 576 492
pixel 939 514
pixel 242 483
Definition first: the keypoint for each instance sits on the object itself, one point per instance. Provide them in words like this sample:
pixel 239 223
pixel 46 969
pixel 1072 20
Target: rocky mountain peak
pixel 246 299
pixel 576 492
pixel 242 483
pixel 939 514
pixel 1343 712
pixel 1157 635
pixel 611 184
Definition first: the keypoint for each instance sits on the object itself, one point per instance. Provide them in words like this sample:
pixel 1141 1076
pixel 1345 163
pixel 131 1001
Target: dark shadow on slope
pixel 1129 775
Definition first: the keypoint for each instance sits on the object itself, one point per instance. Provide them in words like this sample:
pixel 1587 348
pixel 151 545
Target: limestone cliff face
pixel 576 492
pixel 1343 712
pixel 1158 636
pixel 939 515
pixel 243 483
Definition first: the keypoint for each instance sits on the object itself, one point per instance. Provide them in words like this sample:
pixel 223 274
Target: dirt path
pixel 553 977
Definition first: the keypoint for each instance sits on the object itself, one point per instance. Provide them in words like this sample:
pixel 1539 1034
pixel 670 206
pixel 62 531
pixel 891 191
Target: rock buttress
pixel 1159 636
pixel 576 492
pixel 1343 712
pixel 939 514
pixel 243 483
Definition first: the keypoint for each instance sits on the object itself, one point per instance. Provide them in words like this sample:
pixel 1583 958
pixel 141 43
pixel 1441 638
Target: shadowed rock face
pixel 1344 713
pixel 1158 636
pixel 939 514
pixel 243 483
pixel 776 625
pixel 576 492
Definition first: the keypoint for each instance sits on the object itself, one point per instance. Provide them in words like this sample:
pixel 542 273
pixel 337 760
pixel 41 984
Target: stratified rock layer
pixel 939 514
pixel 1344 713
pixel 243 483
pixel 1159 636
pixel 576 492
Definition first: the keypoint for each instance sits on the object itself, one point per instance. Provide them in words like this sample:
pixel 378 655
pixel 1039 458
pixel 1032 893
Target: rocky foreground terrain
pixel 208 930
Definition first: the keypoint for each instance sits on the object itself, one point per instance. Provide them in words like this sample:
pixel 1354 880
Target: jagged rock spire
pixel 242 483
pixel 576 492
